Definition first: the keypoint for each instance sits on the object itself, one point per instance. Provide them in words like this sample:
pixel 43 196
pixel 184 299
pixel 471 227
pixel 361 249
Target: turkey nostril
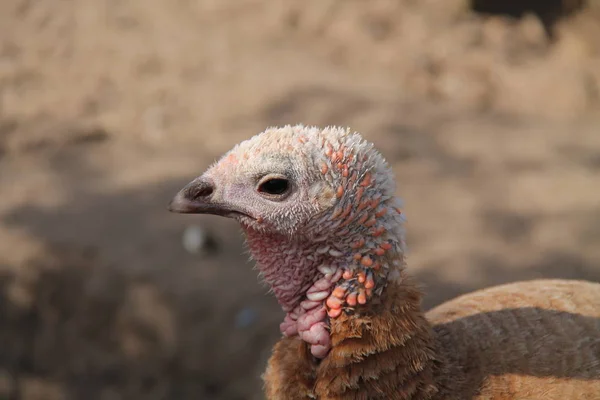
pixel 204 192
pixel 200 190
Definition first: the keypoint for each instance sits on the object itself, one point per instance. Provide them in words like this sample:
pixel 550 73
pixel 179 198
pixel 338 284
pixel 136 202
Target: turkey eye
pixel 274 186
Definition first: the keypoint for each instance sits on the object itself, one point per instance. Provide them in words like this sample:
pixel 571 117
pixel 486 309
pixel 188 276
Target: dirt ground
pixel 489 112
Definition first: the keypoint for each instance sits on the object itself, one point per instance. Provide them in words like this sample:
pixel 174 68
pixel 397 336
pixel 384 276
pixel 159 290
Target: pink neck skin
pixel 315 280
pixel 292 271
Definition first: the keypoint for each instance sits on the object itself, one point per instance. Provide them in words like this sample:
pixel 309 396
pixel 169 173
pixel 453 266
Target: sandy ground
pixel 491 122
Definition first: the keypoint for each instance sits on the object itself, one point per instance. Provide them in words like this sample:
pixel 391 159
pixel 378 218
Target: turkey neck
pixel 386 346
pixel 288 266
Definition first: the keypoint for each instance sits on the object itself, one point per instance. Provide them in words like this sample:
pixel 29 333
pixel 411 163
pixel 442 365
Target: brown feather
pixel 527 340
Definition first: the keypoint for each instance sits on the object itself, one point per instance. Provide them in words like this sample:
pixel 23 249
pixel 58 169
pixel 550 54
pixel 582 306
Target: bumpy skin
pixel 331 246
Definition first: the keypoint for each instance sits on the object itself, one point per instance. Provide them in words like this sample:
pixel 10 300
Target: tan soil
pixel 492 124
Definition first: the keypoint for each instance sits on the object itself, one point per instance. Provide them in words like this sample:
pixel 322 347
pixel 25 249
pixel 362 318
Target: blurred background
pixel 488 111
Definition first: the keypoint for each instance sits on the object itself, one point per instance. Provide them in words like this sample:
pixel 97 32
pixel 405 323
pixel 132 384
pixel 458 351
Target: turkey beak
pixel 196 198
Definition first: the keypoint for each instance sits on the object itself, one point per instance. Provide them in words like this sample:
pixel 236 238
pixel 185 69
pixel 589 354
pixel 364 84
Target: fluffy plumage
pixel 322 222
pixel 536 340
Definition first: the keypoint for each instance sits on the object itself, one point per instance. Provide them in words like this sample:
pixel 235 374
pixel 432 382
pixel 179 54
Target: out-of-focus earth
pixel 488 111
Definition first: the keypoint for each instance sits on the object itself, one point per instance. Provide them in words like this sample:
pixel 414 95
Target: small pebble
pixel 194 239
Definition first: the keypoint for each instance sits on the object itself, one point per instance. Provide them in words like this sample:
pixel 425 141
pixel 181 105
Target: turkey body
pixel 532 340
pixel 526 340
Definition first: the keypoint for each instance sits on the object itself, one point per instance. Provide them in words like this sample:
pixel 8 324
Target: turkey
pixel 322 221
